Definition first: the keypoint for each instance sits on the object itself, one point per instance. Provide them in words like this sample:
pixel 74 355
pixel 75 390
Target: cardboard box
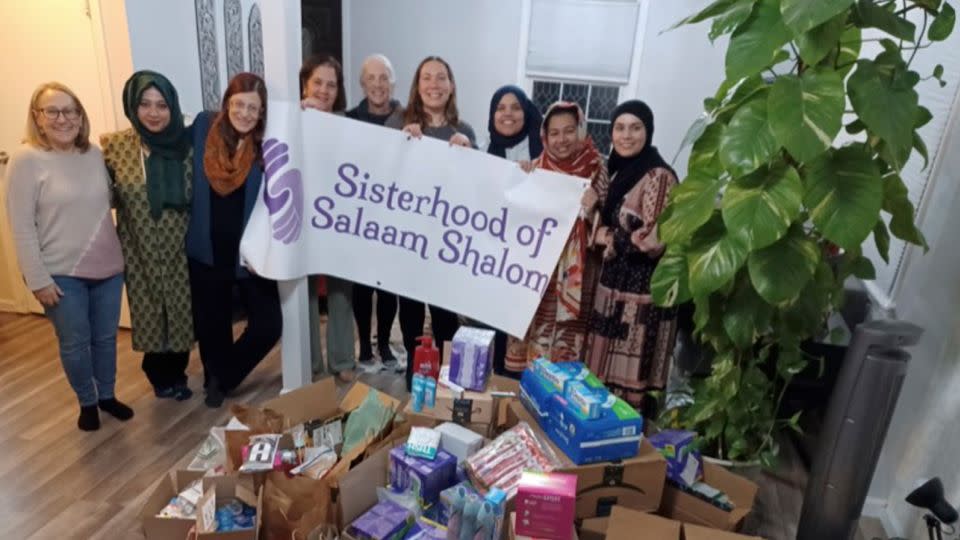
pixel 626 524
pixel 314 401
pixel 695 532
pixel 636 483
pixel 425 420
pixel 157 528
pixel 218 488
pixel 594 528
pixel 357 489
pixel 512 533
pixel 688 508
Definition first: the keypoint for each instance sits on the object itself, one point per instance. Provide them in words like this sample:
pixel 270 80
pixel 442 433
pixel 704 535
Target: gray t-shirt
pixel 59 209
pixel 444 132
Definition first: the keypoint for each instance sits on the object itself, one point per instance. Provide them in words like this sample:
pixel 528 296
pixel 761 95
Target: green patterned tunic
pixel 157 279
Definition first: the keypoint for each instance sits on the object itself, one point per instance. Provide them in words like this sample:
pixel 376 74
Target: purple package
pixel 684 464
pixel 387 520
pixel 470 355
pixel 427 478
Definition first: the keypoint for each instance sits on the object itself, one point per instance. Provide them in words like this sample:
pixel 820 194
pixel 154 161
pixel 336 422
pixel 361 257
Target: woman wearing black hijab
pixel 630 342
pixel 514 125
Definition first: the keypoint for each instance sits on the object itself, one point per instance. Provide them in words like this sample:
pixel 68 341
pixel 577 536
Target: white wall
pixel 678 69
pixel 163 38
pixel 923 440
pixel 478 39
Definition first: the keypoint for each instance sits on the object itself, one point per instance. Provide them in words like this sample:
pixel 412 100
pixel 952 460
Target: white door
pixel 66 41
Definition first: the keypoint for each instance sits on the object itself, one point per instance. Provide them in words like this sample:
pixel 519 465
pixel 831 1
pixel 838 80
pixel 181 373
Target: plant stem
pixel 919 40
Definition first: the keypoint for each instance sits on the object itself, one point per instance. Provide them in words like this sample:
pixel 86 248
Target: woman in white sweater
pixel 58 201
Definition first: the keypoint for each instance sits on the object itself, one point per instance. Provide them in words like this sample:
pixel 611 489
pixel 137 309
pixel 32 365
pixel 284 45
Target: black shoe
pixel 165 393
pixel 182 392
pixel 116 409
pixel 89 418
pixel 215 396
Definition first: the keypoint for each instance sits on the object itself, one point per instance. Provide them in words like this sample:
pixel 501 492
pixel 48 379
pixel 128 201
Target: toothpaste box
pixel 557 375
pixel 588 401
pixel 546 505
pixel 684 464
pixel 616 434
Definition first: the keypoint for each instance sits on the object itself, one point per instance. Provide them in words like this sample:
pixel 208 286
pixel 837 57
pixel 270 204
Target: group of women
pixel 183 195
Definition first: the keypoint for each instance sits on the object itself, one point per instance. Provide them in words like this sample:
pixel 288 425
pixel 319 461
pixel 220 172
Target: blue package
pixel 684 464
pixel 430 392
pixel 535 394
pixel 586 400
pixel 417 390
pixel 615 435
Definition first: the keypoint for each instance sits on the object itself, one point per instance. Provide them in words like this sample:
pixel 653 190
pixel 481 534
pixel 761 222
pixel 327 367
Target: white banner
pixel 450 226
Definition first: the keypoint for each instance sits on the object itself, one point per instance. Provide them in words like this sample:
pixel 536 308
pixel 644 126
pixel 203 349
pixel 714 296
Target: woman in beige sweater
pixel 58 200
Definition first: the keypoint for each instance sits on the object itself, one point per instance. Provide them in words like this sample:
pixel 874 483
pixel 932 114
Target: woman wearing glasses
pixel 228 171
pixel 58 200
pixel 151 165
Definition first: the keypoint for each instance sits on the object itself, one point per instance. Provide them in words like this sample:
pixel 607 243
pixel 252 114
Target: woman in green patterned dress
pixel 151 167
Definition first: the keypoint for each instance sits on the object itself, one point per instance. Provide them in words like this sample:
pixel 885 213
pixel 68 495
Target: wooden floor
pixel 57 482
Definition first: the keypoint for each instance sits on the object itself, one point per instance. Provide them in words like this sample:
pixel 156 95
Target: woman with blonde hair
pixel 58 200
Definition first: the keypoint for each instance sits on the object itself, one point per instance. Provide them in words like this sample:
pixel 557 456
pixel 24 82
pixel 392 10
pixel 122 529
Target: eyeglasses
pixel 52 113
pixel 240 106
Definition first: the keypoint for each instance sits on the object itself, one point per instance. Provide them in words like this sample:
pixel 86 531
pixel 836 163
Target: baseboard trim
pixel 878 508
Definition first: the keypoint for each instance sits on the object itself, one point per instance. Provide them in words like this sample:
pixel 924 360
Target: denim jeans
pixel 86 320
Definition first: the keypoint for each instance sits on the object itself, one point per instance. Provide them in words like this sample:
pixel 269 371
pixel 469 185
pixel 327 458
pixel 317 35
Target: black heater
pixel 929 496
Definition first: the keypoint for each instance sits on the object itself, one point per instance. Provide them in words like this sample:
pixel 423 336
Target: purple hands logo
pixel 282 189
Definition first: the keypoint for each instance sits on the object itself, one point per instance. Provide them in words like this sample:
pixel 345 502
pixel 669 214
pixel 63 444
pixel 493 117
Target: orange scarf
pixel 226 173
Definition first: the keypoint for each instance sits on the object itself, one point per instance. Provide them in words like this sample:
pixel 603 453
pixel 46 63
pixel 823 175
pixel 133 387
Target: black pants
pixel 166 370
pixel 227 361
pixel 363 310
pixel 412 315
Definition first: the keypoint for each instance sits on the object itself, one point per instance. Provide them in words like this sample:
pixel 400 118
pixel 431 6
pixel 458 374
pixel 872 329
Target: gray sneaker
pixel 370 366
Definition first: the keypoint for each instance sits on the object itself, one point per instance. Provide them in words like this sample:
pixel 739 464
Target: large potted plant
pixel 771 217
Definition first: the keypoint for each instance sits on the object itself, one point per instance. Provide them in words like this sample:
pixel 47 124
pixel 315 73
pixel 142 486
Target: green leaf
pixel 747 90
pixel 746 315
pixel 669 282
pixel 806 113
pixel 844 195
pixel 804 15
pixel 756 41
pixel 875 16
pixel 780 271
pixel 881 237
pixel 714 256
pixel 921 148
pixel 817 43
pixel 928 4
pixel 763 205
pixel 896 201
pixel 805 316
pixel 703 155
pixel 694 132
pixel 923 117
pixel 884 108
pixel 938 71
pixel 717 8
pixel 790 361
pixel 691 204
pixel 845 56
pixel 943 25
pixel 726 23
pixel 862 268
pixel 857 126
pixel 747 142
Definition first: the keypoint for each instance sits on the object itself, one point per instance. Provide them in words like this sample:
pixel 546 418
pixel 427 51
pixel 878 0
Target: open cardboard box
pixel 314 401
pixel 635 483
pixel 626 524
pixel 158 528
pixel 216 490
pixel 688 508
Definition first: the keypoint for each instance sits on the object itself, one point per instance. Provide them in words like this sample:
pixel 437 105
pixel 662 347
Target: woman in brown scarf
pixel 228 171
pixel 559 327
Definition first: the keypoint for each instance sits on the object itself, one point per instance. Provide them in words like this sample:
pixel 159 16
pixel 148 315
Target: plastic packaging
pixel 319 461
pixel 501 463
pixel 468 525
pixel 418 392
pixel 430 393
pixel 457 502
pixel 366 421
pixel 406 499
pixel 423 443
pixel 262 453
